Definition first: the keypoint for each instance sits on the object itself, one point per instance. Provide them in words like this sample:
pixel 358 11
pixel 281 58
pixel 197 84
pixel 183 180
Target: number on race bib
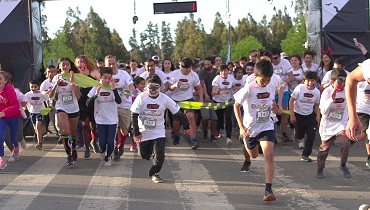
pixel 184 86
pixel 335 116
pixel 263 115
pixel 67 99
pixel 150 124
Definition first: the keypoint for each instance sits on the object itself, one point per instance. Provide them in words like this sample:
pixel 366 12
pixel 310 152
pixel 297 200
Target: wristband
pixel 73 83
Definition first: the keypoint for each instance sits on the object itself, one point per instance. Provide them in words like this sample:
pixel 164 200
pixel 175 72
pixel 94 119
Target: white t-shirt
pixel 275 80
pixel 327 77
pixel 334 113
pixel 66 100
pixel 21 98
pixel 151 114
pixel 188 83
pixel 160 74
pixel 239 84
pixel 305 99
pixel 257 102
pixel 35 101
pixel 105 107
pixel 365 66
pixel 168 77
pixel 298 79
pixel 46 85
pixel 223 84
pixel 140 71
pixel 314 67
pixel 282 70
pixel 123 80
pixel 363 98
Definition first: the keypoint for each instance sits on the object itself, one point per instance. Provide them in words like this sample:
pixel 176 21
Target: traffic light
pixel 175 7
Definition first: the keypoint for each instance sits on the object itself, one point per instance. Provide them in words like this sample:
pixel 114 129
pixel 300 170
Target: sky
pixel 118 13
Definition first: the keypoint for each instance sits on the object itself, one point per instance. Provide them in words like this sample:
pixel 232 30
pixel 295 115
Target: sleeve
pixel 279 82
pixel 196 79
pixel 366 69
pixel 325 100
pixel 21 97
pixel 326 78
pixel 242 95
pixel 171 105
pixel 214 81
pixel 117 98
pixel 12 100
pixel 296 91
pixel 173 79
pixel 135 107
pixel 289 67
pixel 318 98
pixel 92 92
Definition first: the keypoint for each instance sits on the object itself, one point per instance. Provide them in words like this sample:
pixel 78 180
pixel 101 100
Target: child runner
pixel 302 101
pixel 66 106
pixel 148 124
pixel 35 102
pixel 139 83
pixel 257 127
pixel 333 123
pixel 105 112
pixel 9 116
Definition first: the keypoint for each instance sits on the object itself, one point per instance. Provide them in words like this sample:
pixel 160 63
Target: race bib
pixel 150 124
pixel 67 98
pixel 184 86
pixel 263 115
pixel 278 71
pixel 335 115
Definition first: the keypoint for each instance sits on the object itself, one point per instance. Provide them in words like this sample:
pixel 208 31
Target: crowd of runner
pixel 95 106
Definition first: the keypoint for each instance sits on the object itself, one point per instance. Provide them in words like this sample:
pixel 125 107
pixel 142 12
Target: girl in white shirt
pixel 222 88
pixel 295 62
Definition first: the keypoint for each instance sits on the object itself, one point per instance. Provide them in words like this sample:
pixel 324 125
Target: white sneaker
pixel 23 144
pixel 229 141
pixel 108 163
pixel 300 145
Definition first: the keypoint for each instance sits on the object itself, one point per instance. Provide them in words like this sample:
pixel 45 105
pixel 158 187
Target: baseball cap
pixel 284 55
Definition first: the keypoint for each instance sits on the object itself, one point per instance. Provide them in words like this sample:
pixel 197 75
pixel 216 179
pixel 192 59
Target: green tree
pixel 167 45
pixel 149 40
pixel 133 41
pixel 57 48
pixel 243 47
pixel 279 26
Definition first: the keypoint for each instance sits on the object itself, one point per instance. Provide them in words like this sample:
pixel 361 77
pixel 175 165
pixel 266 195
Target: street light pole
pixel 227 21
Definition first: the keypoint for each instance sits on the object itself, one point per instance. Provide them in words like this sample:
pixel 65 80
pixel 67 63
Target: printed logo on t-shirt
pixel 152 106
pixel 116 80
pixel 296 75
pixel 238 85
pixel 63 83
pixel 339 100
pixel 225 83
pixel 104 93
pixel 35 98
pixel 308 95
pixel 367 91
pixel 184 80
pixel 263 95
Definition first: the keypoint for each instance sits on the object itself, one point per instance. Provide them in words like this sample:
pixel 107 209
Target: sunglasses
pixel 154 87
pixel 249 68
pixel 275 58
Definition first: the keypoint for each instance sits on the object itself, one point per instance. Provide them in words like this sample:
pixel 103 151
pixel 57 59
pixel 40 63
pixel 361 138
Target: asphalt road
pixel 206 178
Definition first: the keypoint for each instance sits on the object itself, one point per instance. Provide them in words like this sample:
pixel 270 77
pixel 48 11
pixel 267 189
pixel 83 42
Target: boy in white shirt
pixel 257 127
pixel 333 123
pixel 302 102
pixel 35 101
pixel 148 124
pixel 105 112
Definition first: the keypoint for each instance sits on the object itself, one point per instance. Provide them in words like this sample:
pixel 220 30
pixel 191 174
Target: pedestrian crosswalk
pixel 206 178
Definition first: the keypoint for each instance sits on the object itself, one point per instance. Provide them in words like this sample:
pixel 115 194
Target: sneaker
pixel 306 158
pixel 194 143
pixel 245 167
pixel 79 147
pixel 176 140
pixel 218 134
pixel 94 145
pixel 285 138
pixel 368 163
pixel 116 156
pixel 156 178
pixel 300 145
pixel 364 207
pixel 108 162
pixel 228 141
pixel 87 153
pixel 60 140
pixel 2 164
pixel 120 150
pixel 74 154
pixel 213 139
pixel 38 146
pixel 49 131
pixel 133 148
pixel 346 172
pixel 269 196
pixel 23 144
pixel 15 152
pixel 320 174
pixel 70 161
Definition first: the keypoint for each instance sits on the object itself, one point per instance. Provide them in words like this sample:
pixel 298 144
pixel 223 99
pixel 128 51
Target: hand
pixel 113 82
pixel 293 120
pixel 333 94
pixel 243 132
pixel 353 125
pixel 137 139
pixel 187 133
pixel 98 88
pixel 72 77
pixel 276 109
pixel 359 45
pixel 2 114
pixel 178 84
pixel 59 81
pixel 207 98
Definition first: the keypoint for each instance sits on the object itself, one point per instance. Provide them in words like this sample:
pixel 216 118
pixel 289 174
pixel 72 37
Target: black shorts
pixel 303 122
pixel 86 114
pixel 70 115
pixel 252 142
pixel 364 119
pixel 35 117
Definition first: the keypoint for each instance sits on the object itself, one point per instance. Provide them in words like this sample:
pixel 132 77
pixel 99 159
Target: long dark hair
pixel 73 66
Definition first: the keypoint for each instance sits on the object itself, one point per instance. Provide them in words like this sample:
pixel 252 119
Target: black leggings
pixel 224 117
pixel 156 147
